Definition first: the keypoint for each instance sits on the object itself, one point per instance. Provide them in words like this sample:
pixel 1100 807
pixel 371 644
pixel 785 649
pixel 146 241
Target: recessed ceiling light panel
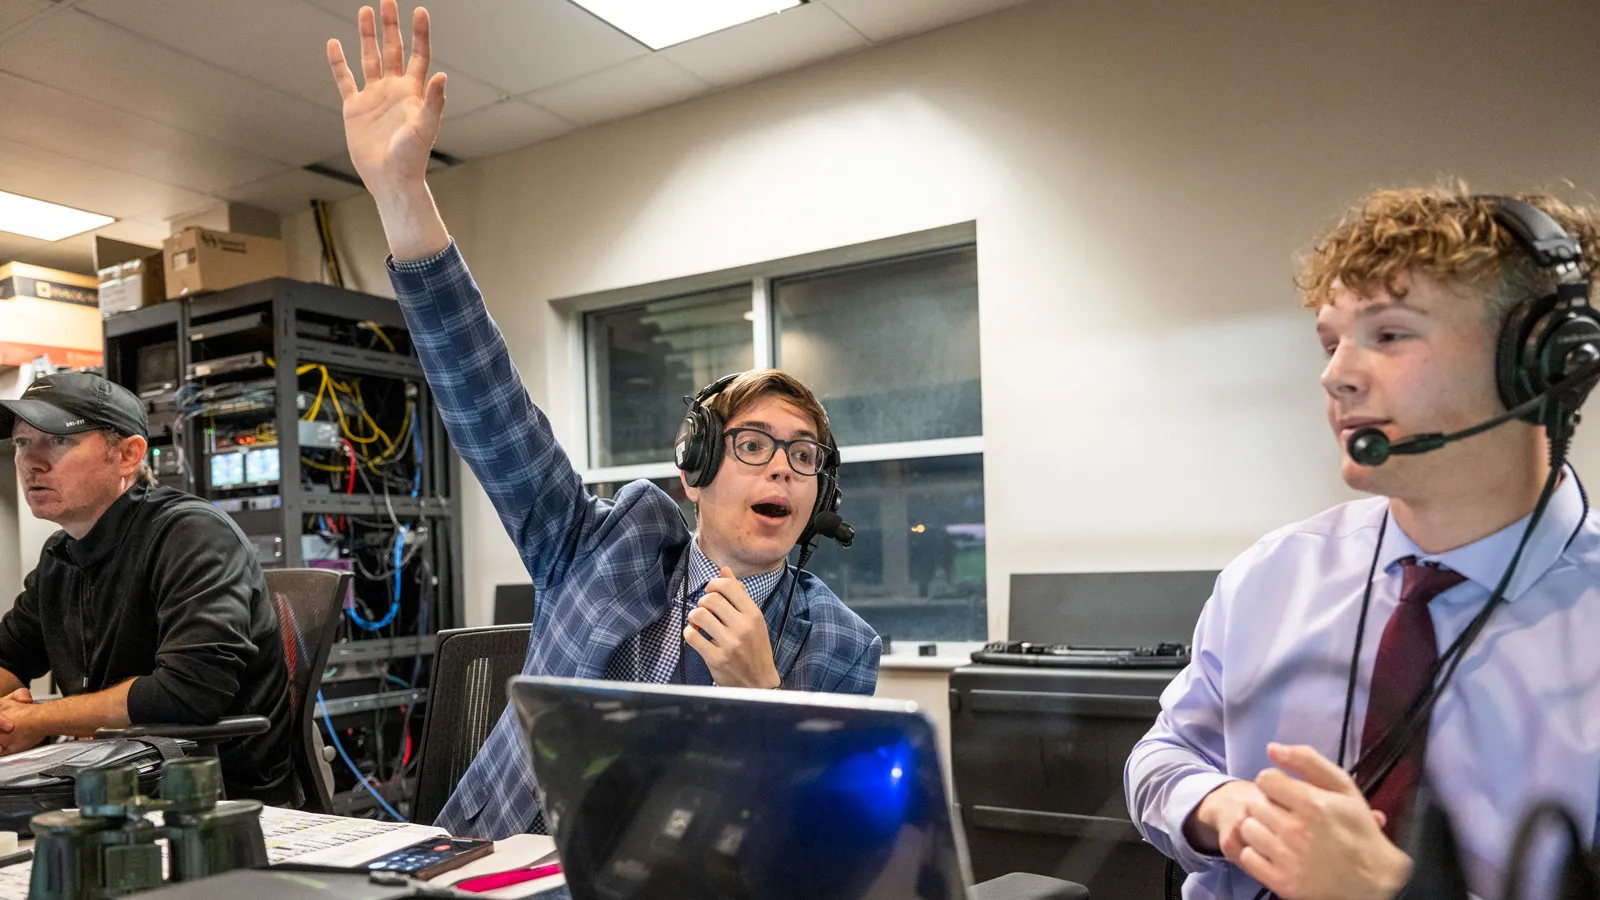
pixel 662 23
pixel 45 221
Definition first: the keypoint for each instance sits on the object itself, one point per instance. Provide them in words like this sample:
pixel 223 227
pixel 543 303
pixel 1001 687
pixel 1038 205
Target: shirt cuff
pixel 1185 798
pixel 420 265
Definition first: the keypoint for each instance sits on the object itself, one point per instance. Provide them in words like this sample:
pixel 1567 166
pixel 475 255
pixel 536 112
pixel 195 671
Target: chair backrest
pixel 470 669
pixel 1174 880
pixel 309 602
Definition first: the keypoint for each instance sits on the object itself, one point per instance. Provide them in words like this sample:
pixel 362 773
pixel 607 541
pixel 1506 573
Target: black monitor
pixel 157 368
pixel 513 604
pixel 1109 609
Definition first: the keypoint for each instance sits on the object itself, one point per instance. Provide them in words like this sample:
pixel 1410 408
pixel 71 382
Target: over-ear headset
pixel 1547 350
pixel 1547 338
pixel 698 452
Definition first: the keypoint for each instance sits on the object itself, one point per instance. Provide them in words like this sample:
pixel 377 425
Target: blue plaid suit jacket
pixel 600 568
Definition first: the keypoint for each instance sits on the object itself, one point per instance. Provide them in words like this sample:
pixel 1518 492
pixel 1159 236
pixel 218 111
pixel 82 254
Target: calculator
pixel 435 856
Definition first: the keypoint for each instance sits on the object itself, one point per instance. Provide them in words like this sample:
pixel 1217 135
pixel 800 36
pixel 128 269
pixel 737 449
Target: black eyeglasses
pixel 755 447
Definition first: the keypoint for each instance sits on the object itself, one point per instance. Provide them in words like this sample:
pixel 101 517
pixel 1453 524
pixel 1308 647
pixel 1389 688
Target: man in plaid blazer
pixel 625 591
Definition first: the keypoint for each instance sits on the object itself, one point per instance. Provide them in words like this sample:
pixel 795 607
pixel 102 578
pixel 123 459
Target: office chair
pixel 470 669
pixel 308 603
pixel 1024 886
pixel 1174 880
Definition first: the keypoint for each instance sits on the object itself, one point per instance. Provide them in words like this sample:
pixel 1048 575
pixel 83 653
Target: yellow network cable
pixel 378 330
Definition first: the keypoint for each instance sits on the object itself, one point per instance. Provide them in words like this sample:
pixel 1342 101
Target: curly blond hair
pixel 1446 233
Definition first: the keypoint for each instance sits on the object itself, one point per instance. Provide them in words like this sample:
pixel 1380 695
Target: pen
pixel 506 879
pixel 11 859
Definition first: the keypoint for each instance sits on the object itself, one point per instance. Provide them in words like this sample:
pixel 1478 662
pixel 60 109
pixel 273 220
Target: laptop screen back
pixel 690 793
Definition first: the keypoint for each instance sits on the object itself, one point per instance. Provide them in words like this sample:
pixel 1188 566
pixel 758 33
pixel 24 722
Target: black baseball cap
pixel 75 402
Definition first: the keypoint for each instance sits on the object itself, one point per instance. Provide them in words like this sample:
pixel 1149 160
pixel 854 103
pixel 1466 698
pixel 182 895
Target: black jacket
pixel 164 589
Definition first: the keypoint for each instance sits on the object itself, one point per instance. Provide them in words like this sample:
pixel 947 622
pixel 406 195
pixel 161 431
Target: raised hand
pixel 390 124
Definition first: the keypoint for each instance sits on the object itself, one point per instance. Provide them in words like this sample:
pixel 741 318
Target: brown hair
pixel 755 384
pixel 146 475
pixel 1443 232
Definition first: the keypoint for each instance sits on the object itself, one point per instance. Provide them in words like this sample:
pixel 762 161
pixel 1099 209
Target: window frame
pixel 585 399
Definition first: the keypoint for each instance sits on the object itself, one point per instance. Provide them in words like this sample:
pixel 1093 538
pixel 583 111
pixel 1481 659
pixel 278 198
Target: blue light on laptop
pixel 871 787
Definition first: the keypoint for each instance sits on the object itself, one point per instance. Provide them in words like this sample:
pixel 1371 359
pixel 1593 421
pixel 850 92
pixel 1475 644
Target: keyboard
pixel 1074 656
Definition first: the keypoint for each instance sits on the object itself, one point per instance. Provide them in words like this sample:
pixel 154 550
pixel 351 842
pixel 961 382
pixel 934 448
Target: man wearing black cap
pixel 149 606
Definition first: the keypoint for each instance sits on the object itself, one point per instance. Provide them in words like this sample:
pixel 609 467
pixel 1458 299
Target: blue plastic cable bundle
pixel 394 608
pixel 361 779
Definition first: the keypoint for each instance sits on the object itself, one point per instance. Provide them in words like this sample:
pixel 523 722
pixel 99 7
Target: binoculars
pixel 108 847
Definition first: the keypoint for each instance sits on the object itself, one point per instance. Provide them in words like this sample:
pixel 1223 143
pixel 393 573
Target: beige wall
pixel 1140 172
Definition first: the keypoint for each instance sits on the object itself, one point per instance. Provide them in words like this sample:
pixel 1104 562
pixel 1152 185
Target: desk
pixel 519 850
pixel 513 852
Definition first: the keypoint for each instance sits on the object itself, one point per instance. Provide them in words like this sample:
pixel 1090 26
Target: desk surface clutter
pixel 310 839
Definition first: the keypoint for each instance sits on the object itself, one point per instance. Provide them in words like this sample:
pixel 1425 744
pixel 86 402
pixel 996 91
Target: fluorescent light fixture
pixel 45 221
pixel 662 23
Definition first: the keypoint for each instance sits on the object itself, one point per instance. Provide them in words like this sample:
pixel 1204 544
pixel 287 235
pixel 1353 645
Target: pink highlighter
pixel 498 880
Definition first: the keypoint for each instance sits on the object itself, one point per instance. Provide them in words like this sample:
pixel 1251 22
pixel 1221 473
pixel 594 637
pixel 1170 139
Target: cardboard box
pixel 133 284
pixel 199 260
pixel 48 312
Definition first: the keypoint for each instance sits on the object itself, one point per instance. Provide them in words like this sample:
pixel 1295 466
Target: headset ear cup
pixel 693 452
pixel 827 494
pixel 697 449
pixel 828 497
pixel 686 450
pixel 712 441
pixel 1516 358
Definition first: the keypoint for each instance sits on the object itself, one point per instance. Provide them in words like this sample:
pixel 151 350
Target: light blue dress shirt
pixel 1519 722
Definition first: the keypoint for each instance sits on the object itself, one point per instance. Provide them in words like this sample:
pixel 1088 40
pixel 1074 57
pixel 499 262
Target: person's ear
pixel 131 452
pixel 692 493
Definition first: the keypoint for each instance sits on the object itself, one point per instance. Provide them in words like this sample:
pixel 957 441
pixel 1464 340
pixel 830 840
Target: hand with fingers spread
pixel 390 125
pixel 1312 836
pixel 728 630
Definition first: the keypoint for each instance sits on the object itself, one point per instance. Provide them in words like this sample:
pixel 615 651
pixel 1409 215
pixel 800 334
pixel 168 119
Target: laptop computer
pixel 685 793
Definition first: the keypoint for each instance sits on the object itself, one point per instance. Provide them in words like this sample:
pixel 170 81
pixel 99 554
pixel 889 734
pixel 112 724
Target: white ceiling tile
pixel 15 12
pixel 50 176
pixel 292 192
pixel 882 20
pixel 622 90
pixel 134 231
pixel 280 43
pixel 515 45
pixel 47 119
pixel 505 126
pixel 767 45
pixel 85 56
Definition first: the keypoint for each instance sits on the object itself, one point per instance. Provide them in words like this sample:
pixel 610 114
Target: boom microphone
pixel 1371 447
pixel 829 525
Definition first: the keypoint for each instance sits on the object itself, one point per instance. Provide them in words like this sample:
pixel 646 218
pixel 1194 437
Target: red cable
pixel 350 487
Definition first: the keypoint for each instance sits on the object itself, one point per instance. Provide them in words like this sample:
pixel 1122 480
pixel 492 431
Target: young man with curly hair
pixel 1242 780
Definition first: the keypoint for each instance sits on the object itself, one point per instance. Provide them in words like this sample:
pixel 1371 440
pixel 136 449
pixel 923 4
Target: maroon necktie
pixel 1401 674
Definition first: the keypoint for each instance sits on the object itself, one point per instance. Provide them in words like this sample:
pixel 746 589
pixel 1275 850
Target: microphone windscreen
pixel 1369 447
pixel 830 525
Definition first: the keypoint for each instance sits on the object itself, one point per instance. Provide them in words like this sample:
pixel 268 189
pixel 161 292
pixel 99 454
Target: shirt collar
pixel 1484 561
pixel 106 535
pixel 702 570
